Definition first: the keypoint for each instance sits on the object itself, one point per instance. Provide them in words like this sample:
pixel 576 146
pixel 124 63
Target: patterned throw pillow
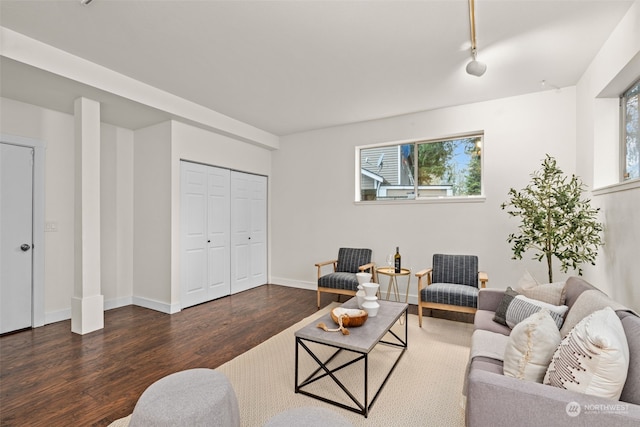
pixel 522 307
pixel 530 347
pixel 593 358
pixel 514 308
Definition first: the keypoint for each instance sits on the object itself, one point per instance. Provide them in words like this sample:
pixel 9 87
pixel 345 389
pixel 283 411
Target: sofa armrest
pixel 495 400
pixel 489 299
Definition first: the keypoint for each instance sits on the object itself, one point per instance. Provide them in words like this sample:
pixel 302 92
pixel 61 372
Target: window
pixel 421 169
pixel 630 133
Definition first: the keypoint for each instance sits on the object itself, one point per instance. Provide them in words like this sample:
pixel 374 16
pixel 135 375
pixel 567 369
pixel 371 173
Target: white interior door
pixel 193 230
pixel 248 231
pixel 205 259
pixel 218 212
pixel 16 237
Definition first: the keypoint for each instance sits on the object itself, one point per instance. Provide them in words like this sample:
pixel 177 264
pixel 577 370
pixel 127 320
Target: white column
pixel 87 304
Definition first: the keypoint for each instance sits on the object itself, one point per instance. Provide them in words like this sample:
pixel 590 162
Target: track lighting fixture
pixel 475 67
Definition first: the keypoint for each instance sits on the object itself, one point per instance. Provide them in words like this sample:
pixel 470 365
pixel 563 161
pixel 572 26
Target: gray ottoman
pixel 195 397
pixel 308 416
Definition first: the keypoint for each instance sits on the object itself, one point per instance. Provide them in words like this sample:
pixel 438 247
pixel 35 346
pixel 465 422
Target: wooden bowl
pixel 351 317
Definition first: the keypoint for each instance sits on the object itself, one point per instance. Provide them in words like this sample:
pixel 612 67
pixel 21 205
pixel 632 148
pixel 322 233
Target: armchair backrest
pixel 349 259
pixel 458 269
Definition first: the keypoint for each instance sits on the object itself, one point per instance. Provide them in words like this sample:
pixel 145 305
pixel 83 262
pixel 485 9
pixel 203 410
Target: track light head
pixel 85 2
pixel 475 67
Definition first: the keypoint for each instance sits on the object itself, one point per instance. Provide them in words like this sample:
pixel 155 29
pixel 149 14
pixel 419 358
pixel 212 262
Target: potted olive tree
pixel 556 222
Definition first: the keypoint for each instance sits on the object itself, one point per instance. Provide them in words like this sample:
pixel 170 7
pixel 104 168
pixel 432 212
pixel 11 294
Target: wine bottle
pixel 397 260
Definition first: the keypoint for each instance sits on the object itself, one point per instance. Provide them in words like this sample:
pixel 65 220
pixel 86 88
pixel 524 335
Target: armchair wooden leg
pixel 419 315
pixel 318 300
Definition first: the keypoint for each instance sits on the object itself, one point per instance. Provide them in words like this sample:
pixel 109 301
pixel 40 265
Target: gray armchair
pixel 342 280
pixel 453 283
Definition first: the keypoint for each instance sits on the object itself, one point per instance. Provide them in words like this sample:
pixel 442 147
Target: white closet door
pixel 248 231
pixel 218 213
pixel 193 230
pixel 16 237
pixel 204 229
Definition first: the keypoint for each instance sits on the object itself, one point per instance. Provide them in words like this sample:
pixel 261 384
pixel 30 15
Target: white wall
pixel 56 130
pixel 313 189
pixel 615 68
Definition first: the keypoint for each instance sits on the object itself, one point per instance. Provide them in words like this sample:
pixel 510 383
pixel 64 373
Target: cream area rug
pixel 424 389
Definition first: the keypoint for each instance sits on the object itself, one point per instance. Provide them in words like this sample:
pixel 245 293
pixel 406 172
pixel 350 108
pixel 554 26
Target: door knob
pixel 25 247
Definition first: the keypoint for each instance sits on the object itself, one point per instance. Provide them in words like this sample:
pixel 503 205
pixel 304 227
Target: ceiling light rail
pixel 475 67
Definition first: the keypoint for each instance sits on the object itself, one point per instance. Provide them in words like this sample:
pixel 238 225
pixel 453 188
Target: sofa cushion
pixel 631 325
pixel 501 311
pixel 488 344
pixel 514 308
pixel 449 293
pixel 484 320
pixel 531 344
pixel 551 293
pixel 587 302
pixel 522 307
pixel 594 357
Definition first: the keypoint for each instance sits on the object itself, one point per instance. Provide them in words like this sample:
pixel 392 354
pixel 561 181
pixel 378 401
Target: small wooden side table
pixel 393 281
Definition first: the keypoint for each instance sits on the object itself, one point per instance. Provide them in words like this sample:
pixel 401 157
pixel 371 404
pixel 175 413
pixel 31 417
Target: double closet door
pixel 223 232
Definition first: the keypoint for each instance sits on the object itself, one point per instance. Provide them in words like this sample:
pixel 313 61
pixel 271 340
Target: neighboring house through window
pixel 630 133
pixel 421 170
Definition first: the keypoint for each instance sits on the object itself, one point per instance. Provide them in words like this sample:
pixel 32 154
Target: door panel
pixel 193 272
pixel 16 237
pixel 248 231
pixel 205 234
pixel 219 276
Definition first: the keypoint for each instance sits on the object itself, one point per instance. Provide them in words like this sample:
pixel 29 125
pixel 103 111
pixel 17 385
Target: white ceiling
pixel 291 66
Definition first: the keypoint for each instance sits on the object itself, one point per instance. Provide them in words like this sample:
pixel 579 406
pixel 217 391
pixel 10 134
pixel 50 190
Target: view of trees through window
pixel 630 132
pixel 428 169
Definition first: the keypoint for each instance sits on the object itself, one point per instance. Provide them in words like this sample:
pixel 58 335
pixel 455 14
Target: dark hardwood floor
pixel 50 376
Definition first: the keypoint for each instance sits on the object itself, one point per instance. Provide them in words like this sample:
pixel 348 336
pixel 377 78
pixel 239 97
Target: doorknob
pixel 25 247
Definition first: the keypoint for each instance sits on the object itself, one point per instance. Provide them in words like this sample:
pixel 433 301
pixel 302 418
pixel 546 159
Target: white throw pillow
pixel 593 358
pixel 522 307
pixel 531 345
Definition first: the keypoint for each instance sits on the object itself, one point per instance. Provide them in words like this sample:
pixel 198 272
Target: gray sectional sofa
pixel 493 399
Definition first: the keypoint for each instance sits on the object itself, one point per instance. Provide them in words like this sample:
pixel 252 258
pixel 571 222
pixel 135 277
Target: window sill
pixel 614 188
pixel 474 199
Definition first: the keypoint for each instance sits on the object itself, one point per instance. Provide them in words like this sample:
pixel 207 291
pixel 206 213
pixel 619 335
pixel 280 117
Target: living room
pixel 312 208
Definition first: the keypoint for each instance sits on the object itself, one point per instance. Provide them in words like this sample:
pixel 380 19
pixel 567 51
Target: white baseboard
pixel 162 307
pixel 312 286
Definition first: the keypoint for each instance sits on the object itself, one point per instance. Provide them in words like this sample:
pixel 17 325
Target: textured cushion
pixel 447 293
pixel 530 347
pixel 594 357
pixel 195 397
pixel 514 308
pixel 350 259
pixel 631 325
pixel 551 293
pixel 501 311
pixel 346 281
pixel 309 416
pixel 458 269
pixel 522 307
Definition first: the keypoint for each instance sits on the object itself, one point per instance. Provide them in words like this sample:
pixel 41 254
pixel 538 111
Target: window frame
pixel 623 135
pixel 424 199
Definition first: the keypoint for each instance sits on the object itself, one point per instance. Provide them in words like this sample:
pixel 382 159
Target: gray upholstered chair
pixel 342 280
pixel 453 283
